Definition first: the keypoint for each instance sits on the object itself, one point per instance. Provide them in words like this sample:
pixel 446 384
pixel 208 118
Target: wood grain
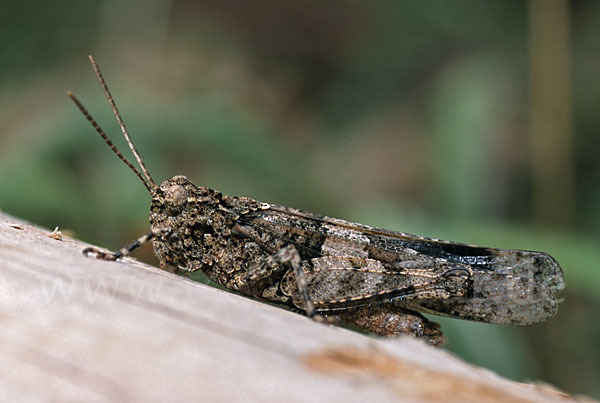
pixel 80 329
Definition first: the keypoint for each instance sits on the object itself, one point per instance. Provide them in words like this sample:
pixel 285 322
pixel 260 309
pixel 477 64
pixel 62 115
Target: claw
pixel 99 254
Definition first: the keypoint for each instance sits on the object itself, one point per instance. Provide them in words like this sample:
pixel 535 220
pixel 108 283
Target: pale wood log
pixel 78 329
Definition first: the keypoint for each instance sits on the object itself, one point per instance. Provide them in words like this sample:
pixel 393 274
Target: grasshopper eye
pixel 457 272
pixel 175 199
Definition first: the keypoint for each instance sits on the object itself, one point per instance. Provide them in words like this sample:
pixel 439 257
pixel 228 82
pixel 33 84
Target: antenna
pixel 113 106
pixel 107 140
pixel 146 179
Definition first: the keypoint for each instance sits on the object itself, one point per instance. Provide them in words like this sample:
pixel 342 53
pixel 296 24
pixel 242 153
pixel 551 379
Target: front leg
pixel 129 248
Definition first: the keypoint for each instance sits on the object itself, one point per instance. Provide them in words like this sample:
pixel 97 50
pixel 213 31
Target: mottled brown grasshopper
pixel 374 279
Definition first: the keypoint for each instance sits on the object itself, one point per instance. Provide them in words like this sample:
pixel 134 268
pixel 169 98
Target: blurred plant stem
pixel 550 119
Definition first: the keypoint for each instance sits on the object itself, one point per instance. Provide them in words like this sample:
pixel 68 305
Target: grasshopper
pixel 371 278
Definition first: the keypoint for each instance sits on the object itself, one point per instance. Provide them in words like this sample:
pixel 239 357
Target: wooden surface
pixel 79 329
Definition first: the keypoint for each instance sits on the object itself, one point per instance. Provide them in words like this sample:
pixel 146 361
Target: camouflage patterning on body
pixel 371 278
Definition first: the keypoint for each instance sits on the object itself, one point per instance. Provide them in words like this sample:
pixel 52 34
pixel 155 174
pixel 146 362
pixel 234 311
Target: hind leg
pixel 390 320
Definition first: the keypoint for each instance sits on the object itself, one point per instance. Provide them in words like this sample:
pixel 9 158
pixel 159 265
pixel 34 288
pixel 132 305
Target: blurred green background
pixel 467 120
